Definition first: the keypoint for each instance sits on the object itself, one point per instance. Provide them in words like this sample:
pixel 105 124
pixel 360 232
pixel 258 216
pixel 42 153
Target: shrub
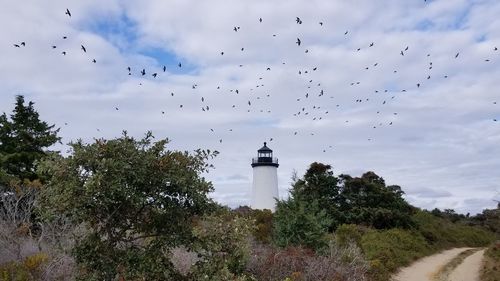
pixel 491 265
pixel 442 233
pixel 136 199
pixel 387 250
pixel 31 268
pixel 268 263
pixel 263 225
pixel 299 223
pixel 222 247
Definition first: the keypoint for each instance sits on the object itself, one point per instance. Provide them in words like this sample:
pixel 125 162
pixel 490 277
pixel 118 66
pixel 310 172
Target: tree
pixel 24 139
pixel 297 222
pixel 368 201
pixel 321 186
pixel 363 200
pixel 136 201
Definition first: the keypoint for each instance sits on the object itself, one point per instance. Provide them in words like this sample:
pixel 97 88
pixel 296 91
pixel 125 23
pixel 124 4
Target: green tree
pixel 321 186
pixel 297 222
pixel 24 139
pixel 368 201
pixel 136 201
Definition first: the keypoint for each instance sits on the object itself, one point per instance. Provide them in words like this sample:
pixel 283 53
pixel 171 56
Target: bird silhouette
pixel 68 13
pixel 298 42
pixel 84 49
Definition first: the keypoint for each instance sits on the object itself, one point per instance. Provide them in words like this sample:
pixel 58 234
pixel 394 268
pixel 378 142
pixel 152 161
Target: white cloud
pixel 442 139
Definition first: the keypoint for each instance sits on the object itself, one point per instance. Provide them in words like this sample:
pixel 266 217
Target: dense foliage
pixel 136 199
pixel 365 200
pixel 490 270
pixel 298 223
pixel 24 139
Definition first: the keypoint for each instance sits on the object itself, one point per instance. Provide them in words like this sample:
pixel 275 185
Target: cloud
pixel 436 140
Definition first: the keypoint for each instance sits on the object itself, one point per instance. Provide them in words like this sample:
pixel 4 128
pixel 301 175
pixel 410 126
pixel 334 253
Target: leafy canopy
pixel 136 199
pixel 365 200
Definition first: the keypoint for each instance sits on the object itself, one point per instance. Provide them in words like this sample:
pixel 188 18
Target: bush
pixel 441 233
pixel 297 223
pixel 268 263
pixel 31 268
pixel 136 199
pixel 387 250
pixel 222 247
pixel 348 233
pixel 491 265
pixel 263 225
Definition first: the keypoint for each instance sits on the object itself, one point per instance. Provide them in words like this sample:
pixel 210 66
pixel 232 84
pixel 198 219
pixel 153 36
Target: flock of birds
pixel 318 111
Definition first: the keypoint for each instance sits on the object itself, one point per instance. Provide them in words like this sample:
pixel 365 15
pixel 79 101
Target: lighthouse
pixel 265 179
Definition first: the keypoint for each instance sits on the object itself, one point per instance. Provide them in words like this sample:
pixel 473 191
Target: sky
pixel 407 89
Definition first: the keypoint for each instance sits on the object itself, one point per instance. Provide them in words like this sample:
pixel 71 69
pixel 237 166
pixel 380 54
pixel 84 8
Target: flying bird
pixel 298 42
pixel 84 49
pixel 68 13
pixel 456 56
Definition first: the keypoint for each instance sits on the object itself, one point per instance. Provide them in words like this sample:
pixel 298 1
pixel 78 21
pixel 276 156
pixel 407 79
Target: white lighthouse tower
pixel 265 179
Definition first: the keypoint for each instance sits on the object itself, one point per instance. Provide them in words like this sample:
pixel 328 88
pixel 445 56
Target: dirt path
pixel 425 268
pixel 469 269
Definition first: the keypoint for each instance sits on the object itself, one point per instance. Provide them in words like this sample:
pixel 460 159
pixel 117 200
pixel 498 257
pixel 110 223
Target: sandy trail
pixel 469 269
pixel 423 269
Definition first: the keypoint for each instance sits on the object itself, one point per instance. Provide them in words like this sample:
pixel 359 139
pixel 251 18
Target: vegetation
pixel 297 223
pixel 24 139
pixel 491 266
pixel 131 209
pixel 364 200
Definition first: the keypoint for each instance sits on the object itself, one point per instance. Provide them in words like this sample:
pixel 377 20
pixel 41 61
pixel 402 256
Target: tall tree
pixel 24 139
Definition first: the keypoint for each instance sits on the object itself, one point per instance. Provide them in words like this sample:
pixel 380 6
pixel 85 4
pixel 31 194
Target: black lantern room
pixel 265 157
